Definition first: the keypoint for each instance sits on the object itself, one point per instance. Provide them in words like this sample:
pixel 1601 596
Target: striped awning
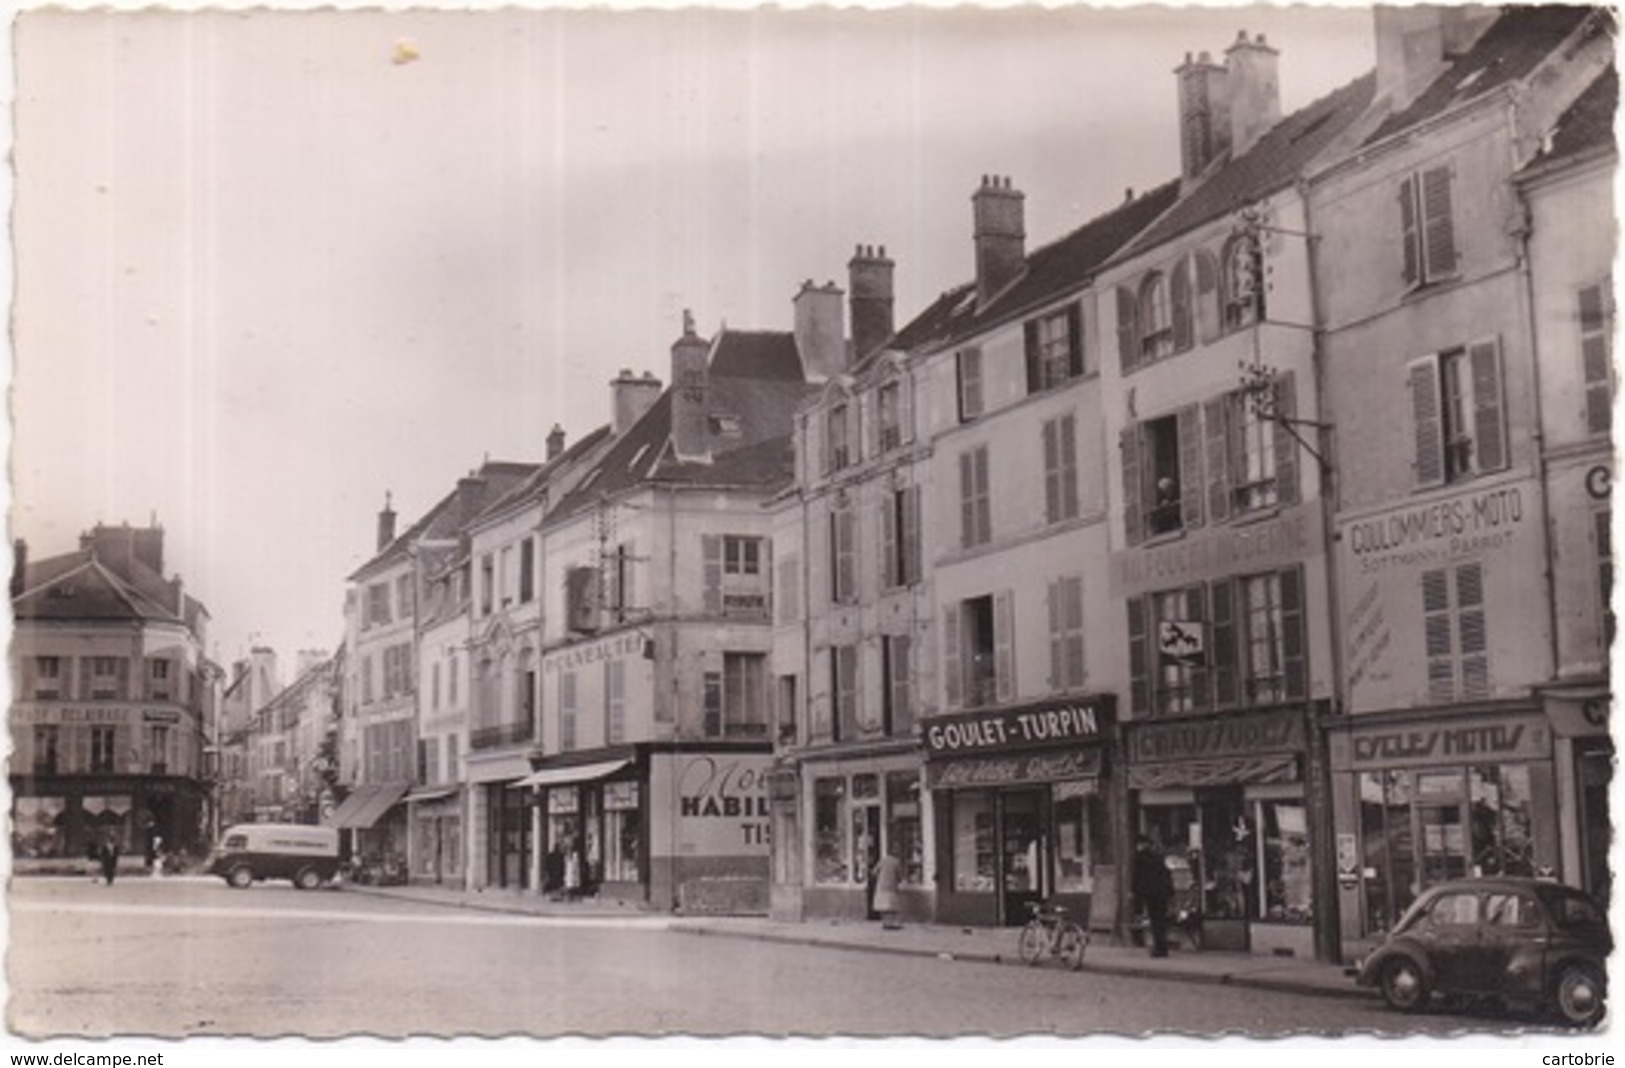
pixel 366 804
pixel 577 773
pixel 1218 771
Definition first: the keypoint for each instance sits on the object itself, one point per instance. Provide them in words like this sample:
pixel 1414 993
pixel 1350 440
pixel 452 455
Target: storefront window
pixel 865 825
pixel 1444 837
pixel 1503 841
pixel 1229 857
pixel 903 825
pixel 1374 820
pixel 1073 864
pixel 1283 829
pixel 829 830
pixel 974 860
pixel 621 831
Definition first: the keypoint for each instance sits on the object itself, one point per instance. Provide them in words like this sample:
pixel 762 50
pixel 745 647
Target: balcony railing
pixel 501 734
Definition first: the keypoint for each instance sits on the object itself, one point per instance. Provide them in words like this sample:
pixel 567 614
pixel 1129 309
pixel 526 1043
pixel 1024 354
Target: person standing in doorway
pixel 1152 887
pixel 888 871
pixel 109 856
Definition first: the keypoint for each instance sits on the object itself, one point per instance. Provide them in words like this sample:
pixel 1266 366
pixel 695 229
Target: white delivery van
pixel 249 852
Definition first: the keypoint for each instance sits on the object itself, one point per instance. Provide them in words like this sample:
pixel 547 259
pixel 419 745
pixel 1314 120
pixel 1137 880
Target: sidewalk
pixel 988 945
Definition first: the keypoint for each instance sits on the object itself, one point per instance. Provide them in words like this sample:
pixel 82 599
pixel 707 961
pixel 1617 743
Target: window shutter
pixel 1035 380
pixel 766 579
pixel 1427 420
pixel 984 496
pixel 1072 623
pixel 1438 224
pixel 1069 466
pixel 1128 444
pixel 1052 471
pixel 1189 427
pixel 970 383
pixel 902 695
pixel 1286 442
pixel 1139 674
pixel 905 408
pixel 911 536
pixel 1004 644
pixel 889 577
pixel 1057 636
pixel 1594 354
pixel 846 535
pixel 1074 340
pixel 1437 641
pixel 1179 294
pixel 1207 295
pixel 1489 406
pixel 1201 677
pixel 1223 657
pixel 1216 422
pixel 814 459
pixel 1294 635
pixel 1128 346
pixel 711 557
pixel 1474 637
pixel 1410 235
pixel 967 500
pixel 868 409
pixel 952 680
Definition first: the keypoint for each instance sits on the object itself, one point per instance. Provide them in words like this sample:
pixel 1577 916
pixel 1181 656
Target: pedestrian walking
pixel 1152 887
pixel 109 858
pixel 888 871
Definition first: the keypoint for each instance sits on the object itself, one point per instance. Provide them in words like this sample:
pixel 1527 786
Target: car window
pixel 1511 910
pixel 1455 909
pixel 236 841
pixel 1572 910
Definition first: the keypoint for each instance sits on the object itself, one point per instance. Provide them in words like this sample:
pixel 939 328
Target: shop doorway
pixel 1023 860
pixel 1596 771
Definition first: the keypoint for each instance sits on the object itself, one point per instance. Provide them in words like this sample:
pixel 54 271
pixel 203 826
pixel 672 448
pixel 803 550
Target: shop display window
pixel 621 831
pixel 903 825
pixel 1502 823
pixel 829 831
pixel 1073 862
pixel 975 864
pixel 1284 842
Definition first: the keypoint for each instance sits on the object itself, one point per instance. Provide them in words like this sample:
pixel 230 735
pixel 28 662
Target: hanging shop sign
pixel 1053 723
pixel 1017 768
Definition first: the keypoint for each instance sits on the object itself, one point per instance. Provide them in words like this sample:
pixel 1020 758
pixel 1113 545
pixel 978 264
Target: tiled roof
pixel 752 411
pixel 1050 272
pixel 1589 121
pixel 79 586
pixel 1507 51
pixel 1271 164
pixel 769 354
pixel 445 519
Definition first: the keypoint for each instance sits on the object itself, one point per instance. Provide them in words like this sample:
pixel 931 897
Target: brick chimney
pixel 691 395
pixel 1415 43
pixel 19 567
pixel 632 397
pixel 1255 90
pixel 870 274
pixel 820 338
pixel 386 524
pixel 1204 113
pixel 555 442
pixel 470 497
pixel 1000 234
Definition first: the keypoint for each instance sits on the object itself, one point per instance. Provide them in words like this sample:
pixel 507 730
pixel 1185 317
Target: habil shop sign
pixel 1018 728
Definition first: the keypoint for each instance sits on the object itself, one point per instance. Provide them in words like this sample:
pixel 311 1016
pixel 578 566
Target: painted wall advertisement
pixel 714 804
pixel 1470 562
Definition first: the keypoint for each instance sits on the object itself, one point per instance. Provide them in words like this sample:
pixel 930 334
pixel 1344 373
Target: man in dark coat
pixel 109 860
pixel 1152 887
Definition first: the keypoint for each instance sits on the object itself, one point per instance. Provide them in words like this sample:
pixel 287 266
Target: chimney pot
pixel 1254 90
pixel 820 331
pixel 870 277
pixel 691 395
pixel 999 234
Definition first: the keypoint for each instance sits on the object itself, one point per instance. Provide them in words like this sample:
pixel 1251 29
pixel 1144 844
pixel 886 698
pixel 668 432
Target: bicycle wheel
pixel 1070 944
pixel 1033 941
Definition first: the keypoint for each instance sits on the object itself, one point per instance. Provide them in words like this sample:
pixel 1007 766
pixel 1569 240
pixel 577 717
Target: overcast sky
pixel 270 265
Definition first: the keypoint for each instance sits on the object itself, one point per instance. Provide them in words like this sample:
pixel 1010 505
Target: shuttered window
pixel 1458 414
pixel 976 512
pixel 1054 349
pixel 969 368
pixel 1061 469
pixel 897 711
pixel 843 556
pixel 1427 226
pixel 1455 633
pixel 1596 332
pixel 844 690
pixel 615 701
pixel 1066 633
pixel 900 537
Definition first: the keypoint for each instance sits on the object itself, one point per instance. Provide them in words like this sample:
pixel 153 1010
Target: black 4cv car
pixel 1526 943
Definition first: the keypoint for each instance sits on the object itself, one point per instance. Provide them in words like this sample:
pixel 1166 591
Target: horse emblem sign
pixel 1182 641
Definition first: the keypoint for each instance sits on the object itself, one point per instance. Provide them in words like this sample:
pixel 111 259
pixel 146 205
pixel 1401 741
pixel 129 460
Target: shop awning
pixel 429 793
pixel 578 773
pixel 366 804
pixel 1220 771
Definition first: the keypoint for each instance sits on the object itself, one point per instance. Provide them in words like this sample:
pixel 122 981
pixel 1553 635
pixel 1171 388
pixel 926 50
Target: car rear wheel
pixel 1404 986
pixel 307 879
pixel 1579 995
pixel 241 877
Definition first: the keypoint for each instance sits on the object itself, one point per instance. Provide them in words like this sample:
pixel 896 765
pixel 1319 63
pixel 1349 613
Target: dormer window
pixel 888 404
pixel 838 453
pixel 1155 321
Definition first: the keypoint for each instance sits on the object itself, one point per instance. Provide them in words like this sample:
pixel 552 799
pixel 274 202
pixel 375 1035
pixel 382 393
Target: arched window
pixel 1182 305
pixel 1242 289
pixel 1207 314
pixel 1156 327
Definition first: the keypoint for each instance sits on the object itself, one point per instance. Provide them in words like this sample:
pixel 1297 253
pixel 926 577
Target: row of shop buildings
pixel 1265 514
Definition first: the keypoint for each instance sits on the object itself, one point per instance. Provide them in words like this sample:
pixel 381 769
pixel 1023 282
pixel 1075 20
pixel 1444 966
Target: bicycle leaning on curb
pixel 1051 933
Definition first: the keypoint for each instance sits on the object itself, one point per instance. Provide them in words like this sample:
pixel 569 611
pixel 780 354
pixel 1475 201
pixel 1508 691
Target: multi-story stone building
pixel 650 780
pixel 287 764
pixel 113 707
pixel 1460 435
pixel 379 753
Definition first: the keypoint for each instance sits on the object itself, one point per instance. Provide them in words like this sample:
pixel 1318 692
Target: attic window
pixel 726 425
pixel 64 591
